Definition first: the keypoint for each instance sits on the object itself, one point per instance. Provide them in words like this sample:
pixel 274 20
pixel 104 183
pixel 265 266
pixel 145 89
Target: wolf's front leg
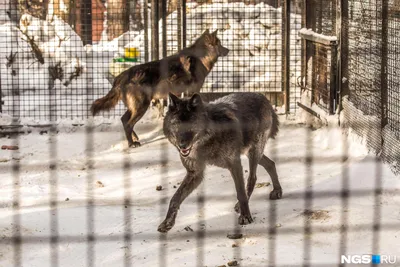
pixel 191 181
pixel 237 175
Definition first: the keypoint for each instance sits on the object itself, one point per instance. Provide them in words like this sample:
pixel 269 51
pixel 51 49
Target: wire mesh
pixel 253 33
pixel 74 34
pixel 392 133
pixel 372 53
pixel 81 53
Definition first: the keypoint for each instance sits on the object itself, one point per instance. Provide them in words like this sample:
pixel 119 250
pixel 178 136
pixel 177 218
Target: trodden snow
pixel 72 184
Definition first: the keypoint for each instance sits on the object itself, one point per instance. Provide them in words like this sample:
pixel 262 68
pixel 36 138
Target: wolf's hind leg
pixel 128 128
pixel 137 114
pixel 269 166
pixel 160 106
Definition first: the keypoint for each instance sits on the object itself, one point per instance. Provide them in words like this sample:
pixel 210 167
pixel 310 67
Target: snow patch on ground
pixel 333 166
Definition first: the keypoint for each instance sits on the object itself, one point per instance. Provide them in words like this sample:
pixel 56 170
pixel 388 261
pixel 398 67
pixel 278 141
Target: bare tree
pixel 136 14
pixel 117 18
pixel 35 8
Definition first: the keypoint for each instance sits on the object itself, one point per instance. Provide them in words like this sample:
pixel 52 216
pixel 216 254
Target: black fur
pixel 217 133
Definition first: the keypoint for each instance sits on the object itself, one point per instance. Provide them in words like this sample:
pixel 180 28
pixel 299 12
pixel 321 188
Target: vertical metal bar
pixel 1 100
pixel 89 162
pixel 319 28
pixel 72 14
pixel 335 7
pixel 86 12
pixel 163 249
pixel 377 212
pixel 53 177
pixel 154 30
pixel 164 27
pixel 333 75
pixel 384 64
pixel 146 30
pixel 338 51
pixel 304 42
pixel 16 168
pixel 344 50
pixel 90 252
pixel 286 54
pixel 128 236
pixel 183 23
pixel 179 11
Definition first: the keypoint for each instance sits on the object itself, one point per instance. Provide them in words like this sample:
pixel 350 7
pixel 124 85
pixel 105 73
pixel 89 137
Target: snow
pixel 332 157
pixel 310 32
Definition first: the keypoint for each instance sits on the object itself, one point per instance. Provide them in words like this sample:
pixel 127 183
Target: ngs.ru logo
pixel 368 259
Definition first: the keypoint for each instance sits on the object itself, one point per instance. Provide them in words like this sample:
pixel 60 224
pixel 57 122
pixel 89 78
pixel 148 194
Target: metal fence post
pixel 183 23
pixel 154 30
pixel 146 30
pixel 344 50
pixel 333 80
pixel 179 14
pixel 164 27
pixel 303 44
pixel 286 54
pixel 86 13
pixel 384 66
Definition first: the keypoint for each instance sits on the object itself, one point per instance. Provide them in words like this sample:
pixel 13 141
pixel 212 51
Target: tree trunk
pixel 117 18
pixel 172 6
pixel 12 11
pixel 136 15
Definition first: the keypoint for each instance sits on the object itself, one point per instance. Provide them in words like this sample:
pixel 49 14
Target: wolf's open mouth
pixel 185 152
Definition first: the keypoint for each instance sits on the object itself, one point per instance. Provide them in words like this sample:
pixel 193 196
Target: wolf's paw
pixel 135 144
pixel 237 207
pixel 275 194
pixel 245 219
pixel 166 225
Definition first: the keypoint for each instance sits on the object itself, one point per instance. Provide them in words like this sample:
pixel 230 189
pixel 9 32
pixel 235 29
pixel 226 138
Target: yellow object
pixel 131 52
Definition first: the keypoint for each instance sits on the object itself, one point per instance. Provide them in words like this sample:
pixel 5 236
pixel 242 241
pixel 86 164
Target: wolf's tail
pixel 108 101
pixel 275 124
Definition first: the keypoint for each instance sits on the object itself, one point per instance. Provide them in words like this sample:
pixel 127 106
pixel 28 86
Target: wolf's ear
pixel 214 34
pixel 206 32
pixel 173 101
pixel 195 101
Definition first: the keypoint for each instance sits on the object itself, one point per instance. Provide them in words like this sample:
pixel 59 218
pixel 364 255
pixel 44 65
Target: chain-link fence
pixel 77 196
pixel 371 75
pixel 71 51
pixel 367 67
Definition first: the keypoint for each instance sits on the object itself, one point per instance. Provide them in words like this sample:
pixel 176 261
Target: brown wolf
pixel 139 85
pixel 217 133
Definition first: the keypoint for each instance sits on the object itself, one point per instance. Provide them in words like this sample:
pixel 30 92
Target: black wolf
pixel 139 85
pixel 217 133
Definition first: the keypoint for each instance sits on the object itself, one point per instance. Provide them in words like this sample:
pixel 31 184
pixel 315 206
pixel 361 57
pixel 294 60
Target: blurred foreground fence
pixel 57 57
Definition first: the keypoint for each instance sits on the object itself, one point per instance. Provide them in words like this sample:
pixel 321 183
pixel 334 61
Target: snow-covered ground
pixel 71 183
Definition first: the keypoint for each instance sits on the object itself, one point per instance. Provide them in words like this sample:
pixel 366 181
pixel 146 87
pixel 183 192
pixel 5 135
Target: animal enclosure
pixel 73 194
